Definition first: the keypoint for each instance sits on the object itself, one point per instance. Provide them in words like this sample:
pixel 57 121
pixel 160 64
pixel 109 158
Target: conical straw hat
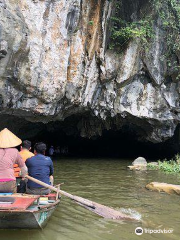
pixel 8 139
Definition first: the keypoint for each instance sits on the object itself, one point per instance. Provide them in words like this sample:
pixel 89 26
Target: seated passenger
pixel 51 151
pixel 41 168
pixel 9 156
pixel 25 154
pixel 25 150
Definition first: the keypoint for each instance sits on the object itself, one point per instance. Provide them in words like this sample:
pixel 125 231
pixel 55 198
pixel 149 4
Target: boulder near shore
pixel 139 163
pixel 164 187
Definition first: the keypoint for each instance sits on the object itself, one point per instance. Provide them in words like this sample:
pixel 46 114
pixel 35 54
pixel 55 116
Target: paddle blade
pixel 107 212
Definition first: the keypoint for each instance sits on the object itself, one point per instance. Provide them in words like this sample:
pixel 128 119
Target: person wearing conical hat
pixel 9 156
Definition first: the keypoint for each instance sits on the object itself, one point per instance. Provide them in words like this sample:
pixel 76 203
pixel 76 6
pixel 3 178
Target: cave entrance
pixel 112 144
pixel 121 143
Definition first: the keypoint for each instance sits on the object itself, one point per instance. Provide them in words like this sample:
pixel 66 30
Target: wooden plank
pixel 19 204
pixel 5 194
pixel 23 195
pixel 20 195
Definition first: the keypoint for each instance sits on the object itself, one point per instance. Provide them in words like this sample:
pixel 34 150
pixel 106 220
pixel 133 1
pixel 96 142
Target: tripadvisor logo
pixel 138 231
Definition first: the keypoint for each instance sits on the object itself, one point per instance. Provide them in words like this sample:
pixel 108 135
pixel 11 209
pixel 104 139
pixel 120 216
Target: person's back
pixel 41 168
pixel 25 154
pixel 8 157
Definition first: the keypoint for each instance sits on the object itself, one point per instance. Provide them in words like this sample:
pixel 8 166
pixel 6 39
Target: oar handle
pixel 48 186
pixel 76 198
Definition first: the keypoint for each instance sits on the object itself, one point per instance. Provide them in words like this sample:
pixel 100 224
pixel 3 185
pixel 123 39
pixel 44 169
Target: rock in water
pixel 164 187
pixel 139 164
pixel 138 167
pixel 139 161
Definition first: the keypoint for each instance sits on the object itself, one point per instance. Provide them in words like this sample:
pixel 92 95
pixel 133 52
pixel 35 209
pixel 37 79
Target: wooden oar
pixel 97 208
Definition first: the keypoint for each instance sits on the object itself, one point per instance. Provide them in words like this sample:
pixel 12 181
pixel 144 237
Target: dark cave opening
pixel 112 144
pixel 122 143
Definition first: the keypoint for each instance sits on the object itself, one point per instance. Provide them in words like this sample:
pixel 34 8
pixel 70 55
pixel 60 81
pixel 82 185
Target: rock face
pixel 55 63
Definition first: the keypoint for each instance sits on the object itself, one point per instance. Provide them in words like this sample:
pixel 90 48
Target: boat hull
pixel 24 211
pixel 25 220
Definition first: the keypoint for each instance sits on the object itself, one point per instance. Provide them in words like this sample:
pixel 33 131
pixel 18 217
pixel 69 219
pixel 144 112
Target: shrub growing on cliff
pixel 122 32
pixel 168 11
pixel 91 23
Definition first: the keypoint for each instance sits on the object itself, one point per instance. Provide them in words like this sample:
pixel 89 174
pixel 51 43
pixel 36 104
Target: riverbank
pixel 171 166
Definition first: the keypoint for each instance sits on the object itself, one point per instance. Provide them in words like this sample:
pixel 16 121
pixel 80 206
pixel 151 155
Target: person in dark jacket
pixel 41 168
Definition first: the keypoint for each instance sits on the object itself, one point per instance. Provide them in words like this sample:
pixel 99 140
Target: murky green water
pixel 110 183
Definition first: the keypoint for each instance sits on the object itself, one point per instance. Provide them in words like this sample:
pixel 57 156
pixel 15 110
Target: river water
pixel 107 181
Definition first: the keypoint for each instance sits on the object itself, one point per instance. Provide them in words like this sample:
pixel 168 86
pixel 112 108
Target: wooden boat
pixel 26 211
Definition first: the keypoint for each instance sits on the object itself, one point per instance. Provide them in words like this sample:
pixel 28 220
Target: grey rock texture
pixel 139 161
pixel 54 63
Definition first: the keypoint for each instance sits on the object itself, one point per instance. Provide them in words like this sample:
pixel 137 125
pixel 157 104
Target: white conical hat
pixel 8 139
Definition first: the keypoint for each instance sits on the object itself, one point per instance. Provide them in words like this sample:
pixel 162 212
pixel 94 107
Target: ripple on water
pixel 110 183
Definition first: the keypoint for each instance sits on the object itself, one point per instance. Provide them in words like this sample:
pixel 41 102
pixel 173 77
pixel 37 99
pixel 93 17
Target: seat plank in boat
pixel 20 203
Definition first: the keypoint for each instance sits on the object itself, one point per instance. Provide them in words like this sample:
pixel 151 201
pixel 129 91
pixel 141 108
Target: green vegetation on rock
pixel 122 32
pixel 168 11
pixel 91 23
pixel 172 165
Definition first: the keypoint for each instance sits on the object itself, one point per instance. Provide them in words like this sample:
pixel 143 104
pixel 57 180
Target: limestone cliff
pixel 56 61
